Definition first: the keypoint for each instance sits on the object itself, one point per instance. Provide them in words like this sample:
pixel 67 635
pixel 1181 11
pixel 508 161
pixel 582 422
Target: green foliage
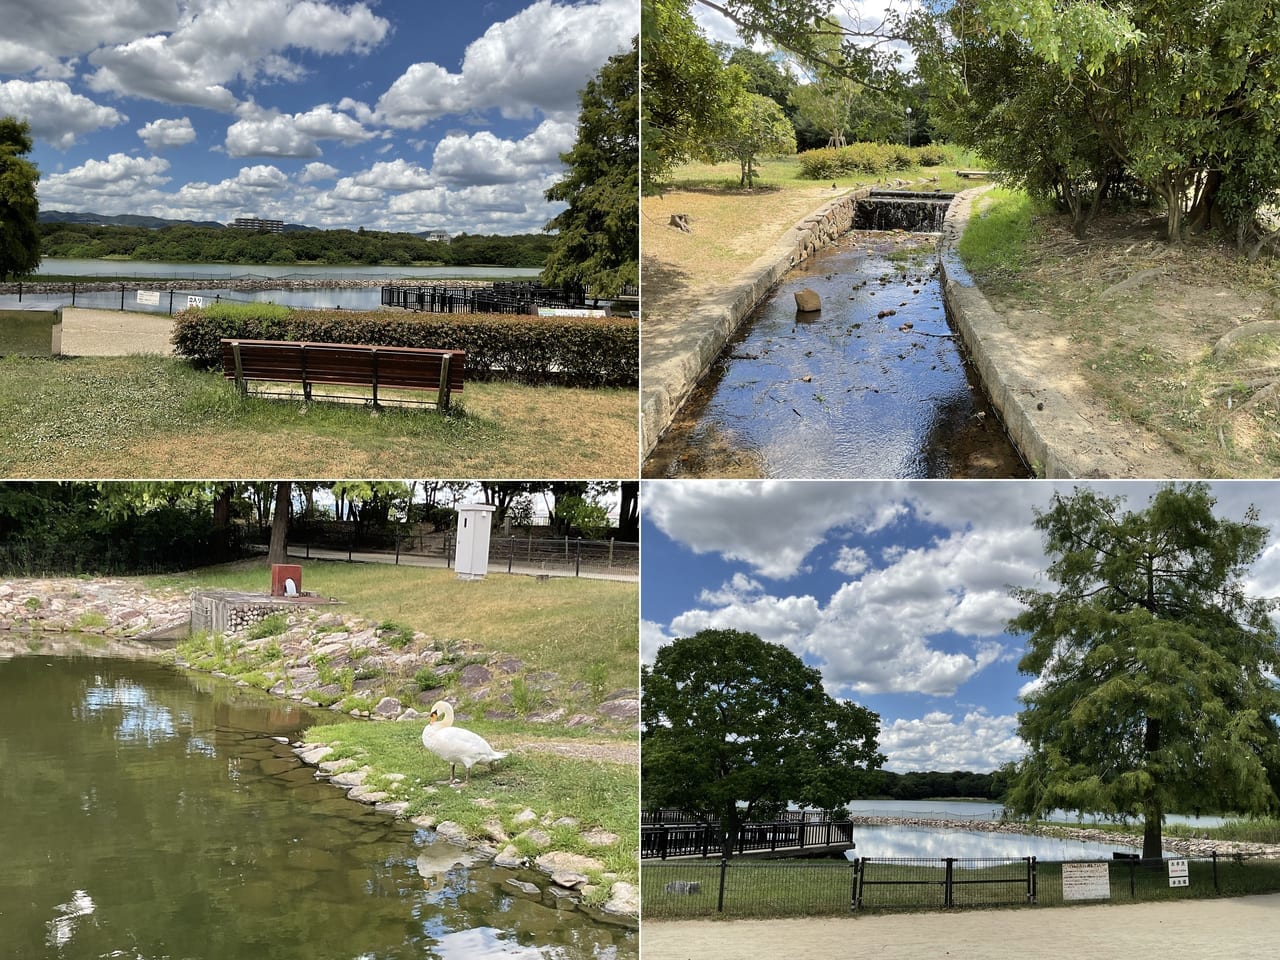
pixel 71 528
pixel 190 244
pixel 270 626
pixel 32 603
pixel 397 635
pixel 755 126
pixel 523 696
pixel 565 351
pixel 1153 665
pixel 868 160
pixel 995 239
pixel 591 520
pixel 19 206
pixel 597 245
pixel 91 620
pixel 728 719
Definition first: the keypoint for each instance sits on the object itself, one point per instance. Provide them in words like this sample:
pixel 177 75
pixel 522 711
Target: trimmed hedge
pixel 565 351
pixel 868 159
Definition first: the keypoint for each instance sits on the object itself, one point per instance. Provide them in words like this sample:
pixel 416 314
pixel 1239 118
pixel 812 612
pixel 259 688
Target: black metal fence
pixel 705 838
pixel 501 297
pixel 792 888
pixel 411 545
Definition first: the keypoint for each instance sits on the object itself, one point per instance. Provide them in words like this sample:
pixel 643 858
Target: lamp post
pixel 908 127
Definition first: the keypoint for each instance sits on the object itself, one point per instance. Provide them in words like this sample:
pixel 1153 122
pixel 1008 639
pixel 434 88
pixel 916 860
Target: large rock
pixel 624 900
pixel 387 708
pixel 561 861
pixel 807 301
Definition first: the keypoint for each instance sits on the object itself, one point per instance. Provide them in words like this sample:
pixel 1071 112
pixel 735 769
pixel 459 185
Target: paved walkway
pixel 495 566
pixel 114 333
pixel 1231 929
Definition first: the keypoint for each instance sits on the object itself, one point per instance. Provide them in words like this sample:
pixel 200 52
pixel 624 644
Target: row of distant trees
pixel 192 244
pixel 136 527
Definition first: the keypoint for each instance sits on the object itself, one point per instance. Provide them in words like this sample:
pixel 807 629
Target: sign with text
pixel 1086 881
pixel 195 301
pixel 150 297
pixel 1178 876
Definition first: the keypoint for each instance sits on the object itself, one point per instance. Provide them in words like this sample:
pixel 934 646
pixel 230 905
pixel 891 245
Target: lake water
pixel 895 841
pixel 149 813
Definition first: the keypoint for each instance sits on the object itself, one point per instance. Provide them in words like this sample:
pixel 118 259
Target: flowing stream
pixel 150 813
pixel 874 385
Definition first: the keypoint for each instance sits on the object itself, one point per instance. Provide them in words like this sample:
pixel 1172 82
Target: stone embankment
pixel 233 283
pixel 1190 846
pixel 120 609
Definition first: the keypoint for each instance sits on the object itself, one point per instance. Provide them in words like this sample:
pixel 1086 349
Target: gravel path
pixel 1203 929
pixel 114 333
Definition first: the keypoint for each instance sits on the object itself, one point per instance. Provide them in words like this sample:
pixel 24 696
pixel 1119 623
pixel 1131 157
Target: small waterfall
pixel 902 210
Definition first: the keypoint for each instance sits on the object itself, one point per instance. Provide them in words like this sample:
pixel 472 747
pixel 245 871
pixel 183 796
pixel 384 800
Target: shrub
pixel 933 155
pixel 868 159
pixel 568 351
pixel 269 626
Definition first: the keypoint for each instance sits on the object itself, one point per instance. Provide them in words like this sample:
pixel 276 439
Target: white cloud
pixel 119 175
pixel 652 636
pixel 44 36
pixel 536 60
pixel 852 561
pixel 395 175
pixel 738 588
pixel 160 134
pixel 318 171
pixel 979 742
pixel 193 57
pixel 55 113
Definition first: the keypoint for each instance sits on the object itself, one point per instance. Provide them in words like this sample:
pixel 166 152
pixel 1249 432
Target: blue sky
pixel 896 591
pixel 388 114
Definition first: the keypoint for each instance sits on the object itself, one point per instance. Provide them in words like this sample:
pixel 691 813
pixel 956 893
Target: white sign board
pixel 195 301
pixel 1086 881
pixel 151 297
pixel 1178 876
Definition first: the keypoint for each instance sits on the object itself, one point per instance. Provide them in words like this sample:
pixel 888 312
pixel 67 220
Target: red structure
pixel 280 572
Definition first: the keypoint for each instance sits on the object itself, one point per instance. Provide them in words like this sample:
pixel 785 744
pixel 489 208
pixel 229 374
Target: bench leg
pixel 442 397
pixel 241 385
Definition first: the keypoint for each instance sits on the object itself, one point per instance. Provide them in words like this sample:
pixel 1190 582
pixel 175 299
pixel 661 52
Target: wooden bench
pixel 285 361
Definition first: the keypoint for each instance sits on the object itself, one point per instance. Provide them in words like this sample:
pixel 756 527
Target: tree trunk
pixel 280 523
pixel 222 507
pixel 1152 812
pixel 730 824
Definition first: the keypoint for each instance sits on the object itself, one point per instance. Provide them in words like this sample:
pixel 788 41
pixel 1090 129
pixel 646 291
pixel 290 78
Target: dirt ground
pixel 1199 929
pixel 111 333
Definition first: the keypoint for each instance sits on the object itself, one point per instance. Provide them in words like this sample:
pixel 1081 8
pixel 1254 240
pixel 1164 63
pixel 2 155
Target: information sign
pixel 1178 875
pixel 150 297
pixel 1086 881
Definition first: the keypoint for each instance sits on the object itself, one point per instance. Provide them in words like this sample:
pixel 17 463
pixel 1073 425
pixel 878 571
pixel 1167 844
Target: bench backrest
pixel 285 360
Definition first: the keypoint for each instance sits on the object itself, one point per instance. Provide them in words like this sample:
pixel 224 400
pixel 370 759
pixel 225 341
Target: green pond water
pixel 148 813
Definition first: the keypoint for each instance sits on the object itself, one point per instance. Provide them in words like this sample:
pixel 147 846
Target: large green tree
pixel 598 236
pixel 1154 669
pixel 19 230
pixel 755 127
pixel 734 727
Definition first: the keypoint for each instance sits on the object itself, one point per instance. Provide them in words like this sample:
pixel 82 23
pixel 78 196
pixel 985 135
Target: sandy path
pixel 1243 927
pixel 113 333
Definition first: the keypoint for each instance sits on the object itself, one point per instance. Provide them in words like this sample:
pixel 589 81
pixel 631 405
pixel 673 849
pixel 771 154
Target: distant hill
pixel 136 220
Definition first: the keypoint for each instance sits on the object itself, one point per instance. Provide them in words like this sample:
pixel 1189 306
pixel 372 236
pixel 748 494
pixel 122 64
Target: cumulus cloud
pixel 269 133
pixel 978 741
pixel 852 561
pixel 118 175
pixel 535 61
pixel 194 57
pixel 318 171
pixel 56 114
pixel 44 36
pixel 652 636
pixel 483 158
pixel 161 134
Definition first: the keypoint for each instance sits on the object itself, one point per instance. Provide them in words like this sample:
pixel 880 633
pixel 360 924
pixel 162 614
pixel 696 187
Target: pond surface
pixel 873 385
pixel 145 269
pixel 901 841
pixel 149 813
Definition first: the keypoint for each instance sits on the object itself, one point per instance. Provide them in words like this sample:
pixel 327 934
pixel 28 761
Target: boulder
pixel 807 301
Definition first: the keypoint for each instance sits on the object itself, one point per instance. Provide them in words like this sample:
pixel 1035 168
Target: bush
pixel 567 351
pixel 868 159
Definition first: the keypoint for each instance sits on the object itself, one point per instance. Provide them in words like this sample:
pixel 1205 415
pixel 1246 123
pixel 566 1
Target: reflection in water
pixel 152 814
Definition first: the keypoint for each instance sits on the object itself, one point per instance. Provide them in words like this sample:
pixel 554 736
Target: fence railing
pixel 675 889
pixel 501 297
pixel 705 839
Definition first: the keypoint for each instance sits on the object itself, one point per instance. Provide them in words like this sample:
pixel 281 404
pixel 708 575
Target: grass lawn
pixel 583 630
pixel 789 888
pixel 150 416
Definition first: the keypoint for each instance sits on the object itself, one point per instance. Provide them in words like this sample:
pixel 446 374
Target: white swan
pixel 454 744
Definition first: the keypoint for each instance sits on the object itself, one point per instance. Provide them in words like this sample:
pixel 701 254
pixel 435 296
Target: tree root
pixel 1254 328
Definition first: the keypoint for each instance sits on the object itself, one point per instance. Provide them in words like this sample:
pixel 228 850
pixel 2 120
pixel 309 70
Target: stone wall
pixel 226 611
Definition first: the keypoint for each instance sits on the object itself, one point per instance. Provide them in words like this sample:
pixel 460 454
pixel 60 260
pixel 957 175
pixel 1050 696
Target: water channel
pixel 151 813
pixel 873 385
